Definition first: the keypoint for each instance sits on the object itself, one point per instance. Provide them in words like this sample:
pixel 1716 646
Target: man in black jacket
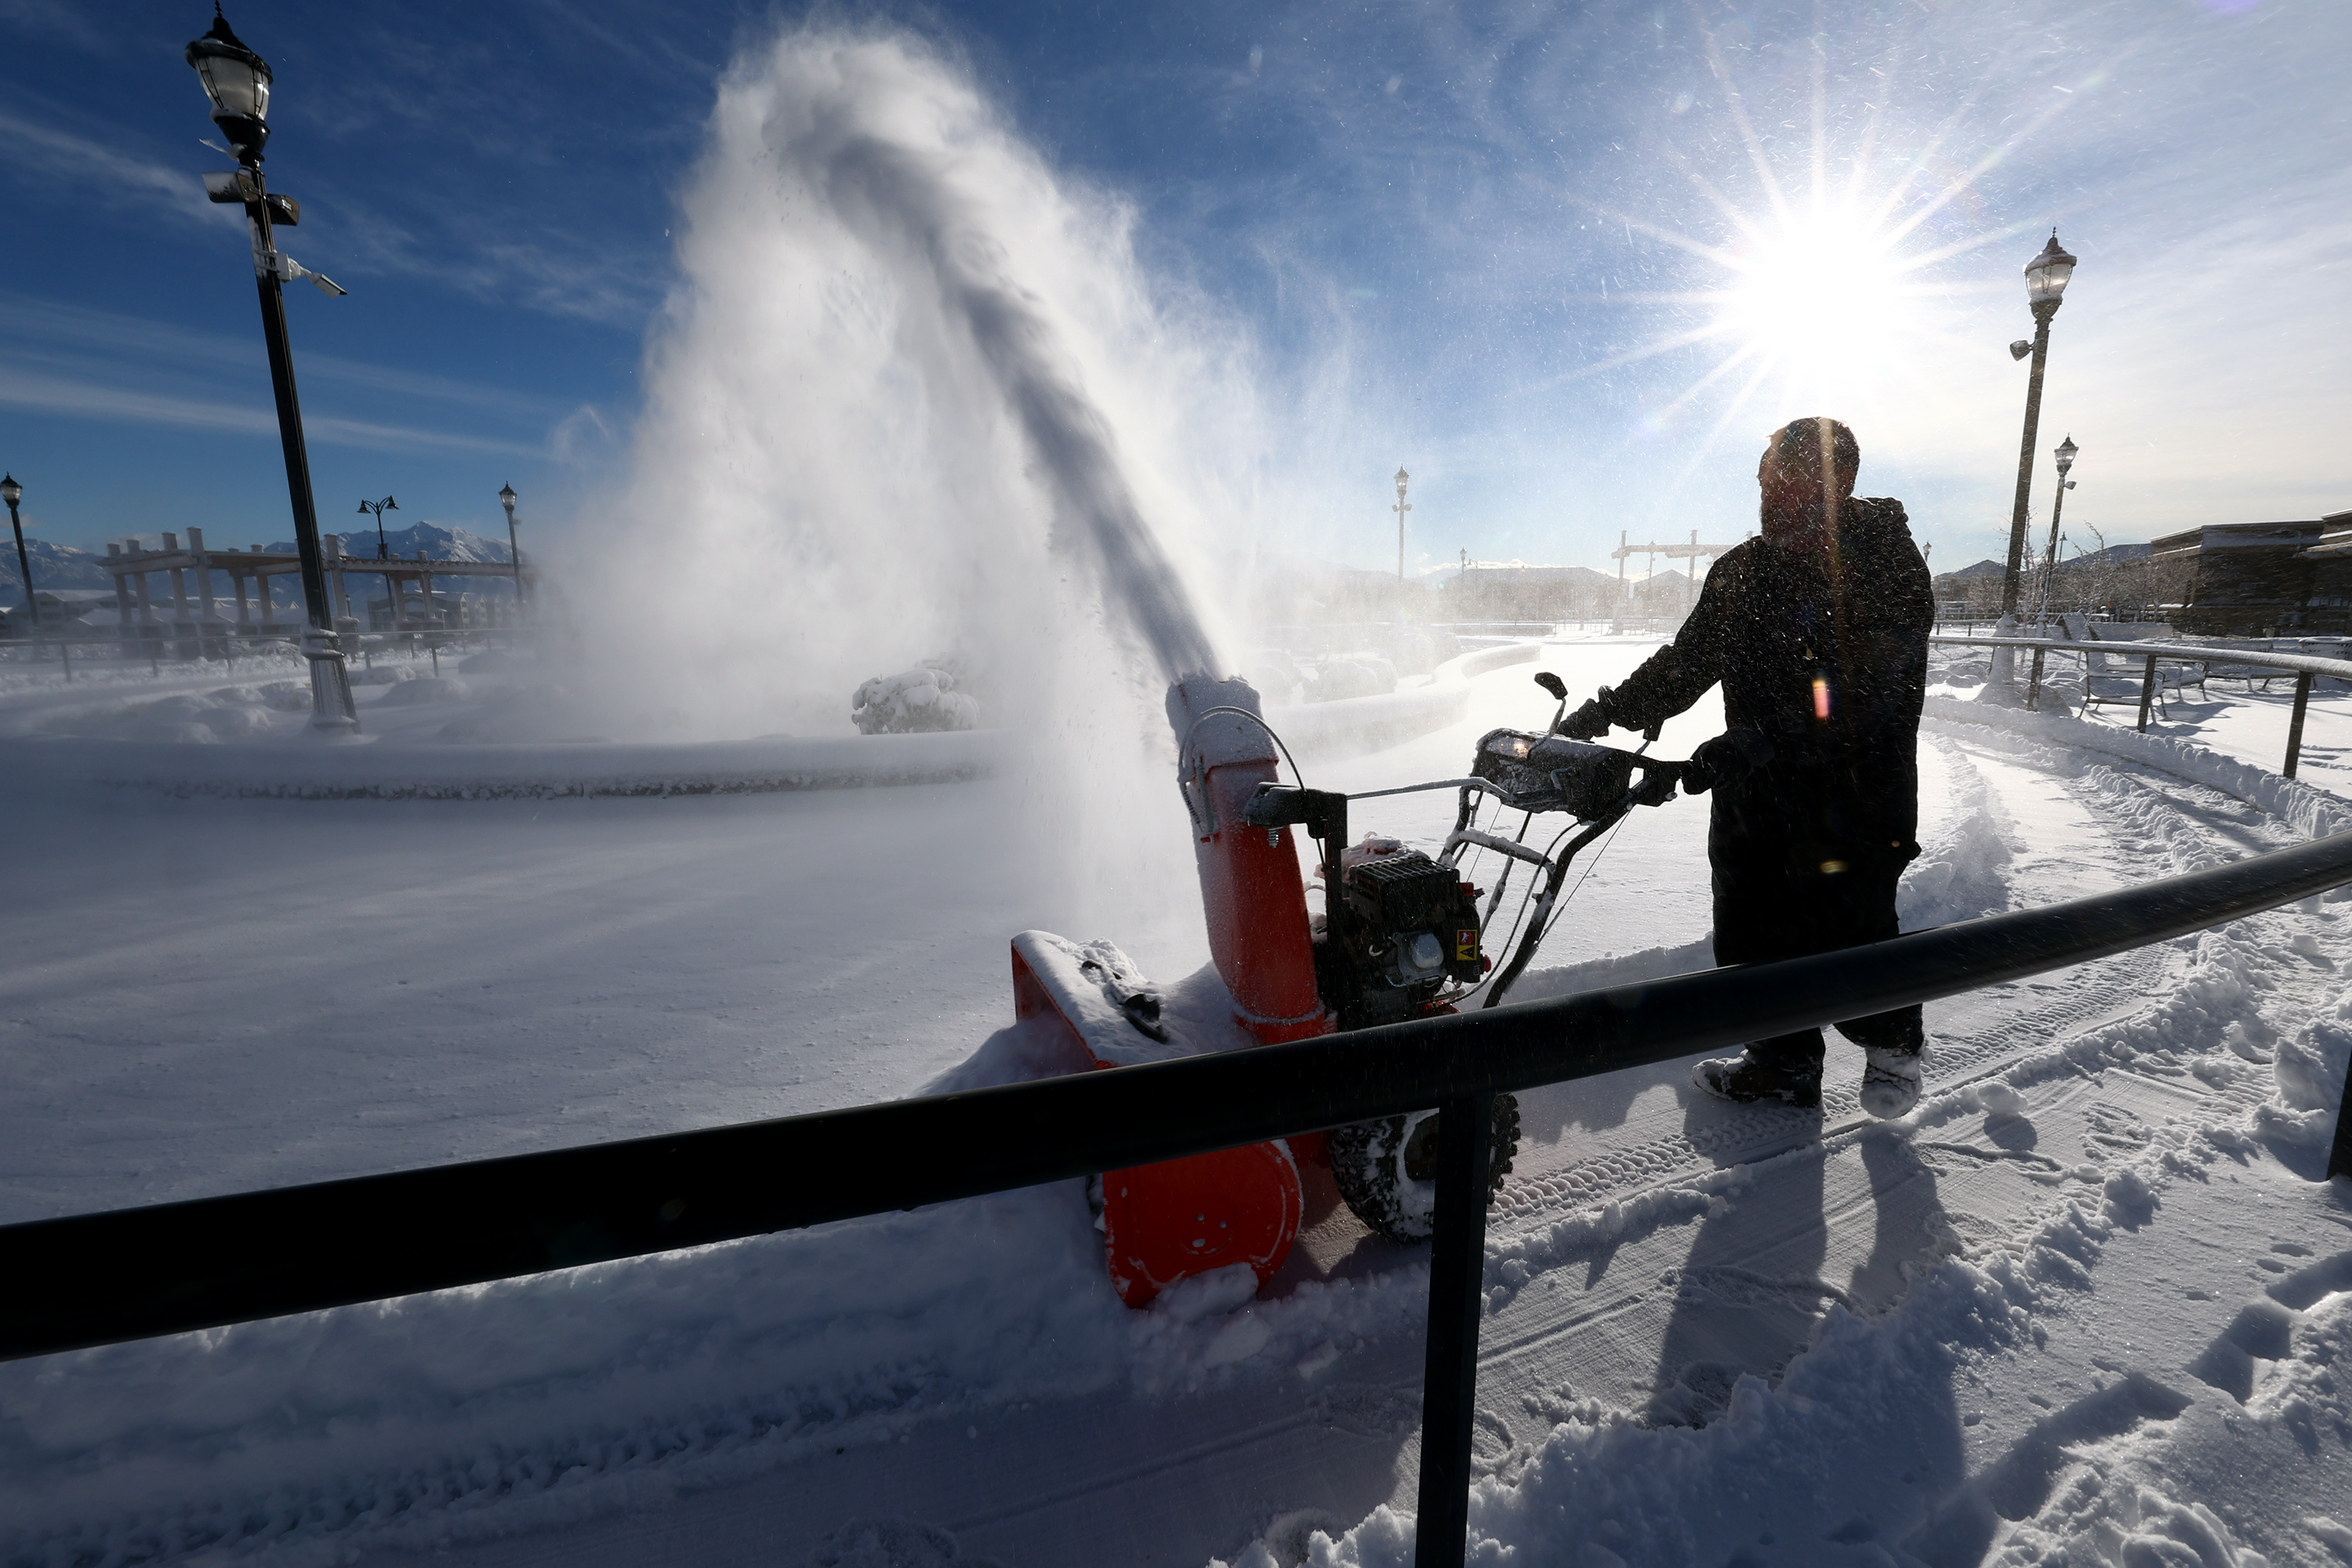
pixel 1818 632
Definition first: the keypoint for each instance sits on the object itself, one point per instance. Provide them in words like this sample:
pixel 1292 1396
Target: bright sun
pixel 1819 298
pixel 1820 305
pixel 1814 294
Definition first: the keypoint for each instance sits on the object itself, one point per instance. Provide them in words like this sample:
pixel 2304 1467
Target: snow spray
pixel 913 395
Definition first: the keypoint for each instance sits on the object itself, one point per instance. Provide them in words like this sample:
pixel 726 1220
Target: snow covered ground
pixel 2087 1305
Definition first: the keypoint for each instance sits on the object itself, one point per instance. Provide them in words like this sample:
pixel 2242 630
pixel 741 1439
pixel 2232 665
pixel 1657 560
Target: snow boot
pixel 1890 1081
pixel 1745 1079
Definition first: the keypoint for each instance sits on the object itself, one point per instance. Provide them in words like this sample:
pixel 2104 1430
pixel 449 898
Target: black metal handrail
pixel 170 1267
pixel 2184 652
pixel 2304 666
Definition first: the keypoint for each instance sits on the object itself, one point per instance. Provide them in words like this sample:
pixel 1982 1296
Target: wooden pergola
pixel 1692 552
pixel 131 565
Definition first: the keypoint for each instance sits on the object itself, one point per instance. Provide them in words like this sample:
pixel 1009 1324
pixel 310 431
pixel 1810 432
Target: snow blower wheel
pixel 1387 1170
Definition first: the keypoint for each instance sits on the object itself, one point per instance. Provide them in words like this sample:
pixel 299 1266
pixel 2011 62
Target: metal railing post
pixel 1457 1279
pixel 2147 692
pixel 2339 1155
pixel 2294 725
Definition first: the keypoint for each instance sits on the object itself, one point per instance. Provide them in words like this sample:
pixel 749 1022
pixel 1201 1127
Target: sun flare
pixel 1824 277
pixel 1821 298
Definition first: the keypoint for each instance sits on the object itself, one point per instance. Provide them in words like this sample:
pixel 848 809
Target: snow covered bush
pixel 1356 675
pixel 915 701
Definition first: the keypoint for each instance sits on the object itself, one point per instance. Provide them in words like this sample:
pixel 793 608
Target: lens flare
pixel 1821 296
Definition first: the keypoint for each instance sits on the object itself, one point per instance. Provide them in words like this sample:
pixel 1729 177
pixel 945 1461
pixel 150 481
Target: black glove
pixel 1734 755
pixel 1589 722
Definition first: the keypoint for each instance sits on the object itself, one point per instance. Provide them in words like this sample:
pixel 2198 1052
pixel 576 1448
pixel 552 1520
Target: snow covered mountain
pixel 62 566
pixel 430 540
pixel 54 566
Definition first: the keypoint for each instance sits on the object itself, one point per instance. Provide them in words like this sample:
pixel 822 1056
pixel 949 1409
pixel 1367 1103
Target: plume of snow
pixel 914 393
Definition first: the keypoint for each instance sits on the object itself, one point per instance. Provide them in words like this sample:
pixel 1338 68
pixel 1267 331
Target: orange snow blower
pixel 1401 936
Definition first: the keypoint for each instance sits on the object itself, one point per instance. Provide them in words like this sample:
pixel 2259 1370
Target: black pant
pixel 1783 900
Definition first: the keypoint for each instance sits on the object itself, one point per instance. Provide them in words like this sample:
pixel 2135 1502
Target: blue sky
pixel 1563 261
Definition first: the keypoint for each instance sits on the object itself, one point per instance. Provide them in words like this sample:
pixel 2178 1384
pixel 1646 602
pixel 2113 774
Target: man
pixel 1818 632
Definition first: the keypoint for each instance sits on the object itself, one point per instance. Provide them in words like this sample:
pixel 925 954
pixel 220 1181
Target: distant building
pixel 2265 579
pixel 1520 593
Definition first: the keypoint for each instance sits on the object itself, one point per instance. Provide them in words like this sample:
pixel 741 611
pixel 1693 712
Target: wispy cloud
pixel 52 19
pixel 110 175
pixel 66 395
pixel 159 343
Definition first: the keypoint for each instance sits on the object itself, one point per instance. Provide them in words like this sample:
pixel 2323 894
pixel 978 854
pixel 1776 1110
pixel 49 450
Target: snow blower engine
pixel 1402 935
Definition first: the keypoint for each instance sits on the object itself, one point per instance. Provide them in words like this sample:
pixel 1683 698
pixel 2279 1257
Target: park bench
pixel 2116 677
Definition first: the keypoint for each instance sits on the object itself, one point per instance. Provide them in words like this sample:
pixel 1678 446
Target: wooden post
pixel 121 600
pixel 150 633
pixel 203 569
pixel 333 548
pixel 2034 684
pixel 2294 725
pixel 181 648
pixel 2147 692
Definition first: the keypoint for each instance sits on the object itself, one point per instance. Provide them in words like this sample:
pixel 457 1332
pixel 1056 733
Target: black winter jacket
pixel 1827 658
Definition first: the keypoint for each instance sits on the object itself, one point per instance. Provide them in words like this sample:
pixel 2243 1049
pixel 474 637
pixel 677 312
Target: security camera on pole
pixel 237 81
pixel 2046 282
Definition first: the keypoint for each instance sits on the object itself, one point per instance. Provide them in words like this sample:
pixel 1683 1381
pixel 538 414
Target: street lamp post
pixel 2064 452
pixel 514 551
pixel 12 493
pixel 1401 507
pixel 382 546
pixel 384 553
pixel 2046 282
pixel 237 80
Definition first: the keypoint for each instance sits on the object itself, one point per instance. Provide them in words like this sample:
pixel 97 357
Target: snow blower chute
pixel 1401 935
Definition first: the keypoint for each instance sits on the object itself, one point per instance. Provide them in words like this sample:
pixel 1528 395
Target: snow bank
pixel 1351 726
pixel 2310 1071
pixel 325 771
pixel 1961 871
pixel 2311 812
pixel 148 743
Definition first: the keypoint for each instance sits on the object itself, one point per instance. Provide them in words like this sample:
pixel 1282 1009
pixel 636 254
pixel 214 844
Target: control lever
pixel 1558 687
pixel 1657 786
